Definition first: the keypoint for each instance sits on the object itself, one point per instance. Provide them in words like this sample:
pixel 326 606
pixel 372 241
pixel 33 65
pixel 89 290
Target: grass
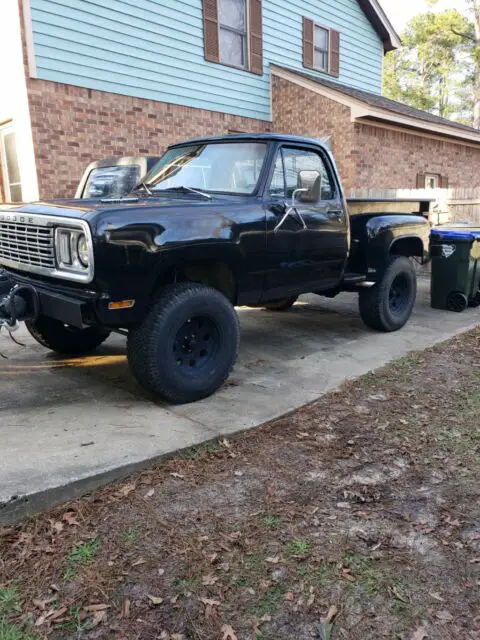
pixel 9 600
pixel 197 453
pixel 10 605
pixel 130 535
pixel 240 582
pixel 325 575
pixel 473 402
pixel 298 548
pixel 254 559
pixel 81 555
pixel 370 578
pixel 14 632
pixel 272 521
pixel 270 601
pixel 75 623
pixel 187 585
pixel 83 552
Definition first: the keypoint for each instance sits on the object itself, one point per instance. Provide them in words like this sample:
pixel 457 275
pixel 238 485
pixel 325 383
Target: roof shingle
pixel 380 102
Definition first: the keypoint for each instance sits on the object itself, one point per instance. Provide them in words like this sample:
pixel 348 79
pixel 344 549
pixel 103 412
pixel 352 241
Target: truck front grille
pixel 27 244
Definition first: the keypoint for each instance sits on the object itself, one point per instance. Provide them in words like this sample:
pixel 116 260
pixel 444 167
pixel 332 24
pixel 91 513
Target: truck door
pixel 307 231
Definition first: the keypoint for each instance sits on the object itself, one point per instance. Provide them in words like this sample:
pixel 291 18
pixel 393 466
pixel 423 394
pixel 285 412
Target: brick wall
pixel 388 158
pixel 369 156
pixel 72 126
pixel 301 112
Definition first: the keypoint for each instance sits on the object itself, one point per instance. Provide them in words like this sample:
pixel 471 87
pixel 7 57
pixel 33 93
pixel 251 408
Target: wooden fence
pixel 450 205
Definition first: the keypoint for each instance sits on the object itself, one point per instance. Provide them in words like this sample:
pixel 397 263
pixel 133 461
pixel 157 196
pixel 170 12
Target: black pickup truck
pixel 218 222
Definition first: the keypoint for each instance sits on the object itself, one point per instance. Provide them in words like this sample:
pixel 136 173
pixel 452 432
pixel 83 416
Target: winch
pixel 22 303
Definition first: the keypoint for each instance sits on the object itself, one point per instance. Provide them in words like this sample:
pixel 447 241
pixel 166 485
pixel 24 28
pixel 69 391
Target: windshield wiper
pixel 145 187
pixel 190 190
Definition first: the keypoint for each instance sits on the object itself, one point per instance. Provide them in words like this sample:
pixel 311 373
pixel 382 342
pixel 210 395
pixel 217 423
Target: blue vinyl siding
pixel 154 49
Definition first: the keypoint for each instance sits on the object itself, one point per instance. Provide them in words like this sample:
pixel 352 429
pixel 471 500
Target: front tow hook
pixel 22 303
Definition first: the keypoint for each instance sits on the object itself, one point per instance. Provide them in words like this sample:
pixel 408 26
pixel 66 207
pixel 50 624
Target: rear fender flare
pixel 409 232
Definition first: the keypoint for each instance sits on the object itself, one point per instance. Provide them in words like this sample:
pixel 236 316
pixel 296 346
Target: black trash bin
pixel 455 282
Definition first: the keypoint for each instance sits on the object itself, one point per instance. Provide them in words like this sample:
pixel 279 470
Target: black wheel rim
pixel 196 345
pixel 399 295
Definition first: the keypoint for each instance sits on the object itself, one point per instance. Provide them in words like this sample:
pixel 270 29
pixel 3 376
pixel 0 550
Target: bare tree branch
pixel 464 35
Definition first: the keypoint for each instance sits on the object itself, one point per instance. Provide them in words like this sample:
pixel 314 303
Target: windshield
pixel 111 182
pixel 232 167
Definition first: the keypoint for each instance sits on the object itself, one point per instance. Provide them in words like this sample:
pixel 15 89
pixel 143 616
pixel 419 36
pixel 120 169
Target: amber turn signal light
pixel 121 304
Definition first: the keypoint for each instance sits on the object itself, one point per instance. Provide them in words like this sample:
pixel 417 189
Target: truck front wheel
pixel 63 338
pixel 186 346
pixel 388 305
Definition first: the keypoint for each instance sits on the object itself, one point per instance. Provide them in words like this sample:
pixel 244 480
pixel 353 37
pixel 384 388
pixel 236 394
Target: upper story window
pixel 233 33
pixel 321 48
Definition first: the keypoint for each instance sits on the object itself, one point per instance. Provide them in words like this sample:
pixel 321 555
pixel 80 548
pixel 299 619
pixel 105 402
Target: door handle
pixel 278 208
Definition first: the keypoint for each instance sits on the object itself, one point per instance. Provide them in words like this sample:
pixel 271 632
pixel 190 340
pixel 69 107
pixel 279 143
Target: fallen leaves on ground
pixel 69 518
pixel 228 632
pixel 420 634
pixel 382 500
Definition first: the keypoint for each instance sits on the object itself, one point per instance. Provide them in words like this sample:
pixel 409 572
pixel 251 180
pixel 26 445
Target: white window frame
pixel 5 130
pixel 244 34
pixel 432 177
pixel 317 48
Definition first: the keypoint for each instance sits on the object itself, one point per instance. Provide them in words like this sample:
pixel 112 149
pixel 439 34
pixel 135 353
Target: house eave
pixel 369 115
pixel 382 25
pixel 363 112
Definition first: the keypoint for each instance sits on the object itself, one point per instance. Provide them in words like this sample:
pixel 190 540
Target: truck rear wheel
pixel 63 338
pixel 186 346
pixel 388 305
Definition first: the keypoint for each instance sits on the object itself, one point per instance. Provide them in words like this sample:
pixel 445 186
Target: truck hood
pixel 152 222
pixel 92 209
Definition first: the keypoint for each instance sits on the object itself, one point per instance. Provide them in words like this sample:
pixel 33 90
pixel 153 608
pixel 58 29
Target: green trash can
pixel 455 282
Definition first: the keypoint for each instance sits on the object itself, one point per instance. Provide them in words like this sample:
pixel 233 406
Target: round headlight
pixel 82 249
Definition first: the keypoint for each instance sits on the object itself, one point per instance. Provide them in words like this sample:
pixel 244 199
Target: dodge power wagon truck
pixel 218 222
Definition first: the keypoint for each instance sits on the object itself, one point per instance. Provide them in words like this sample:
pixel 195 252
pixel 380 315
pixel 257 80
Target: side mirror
pixel 310 186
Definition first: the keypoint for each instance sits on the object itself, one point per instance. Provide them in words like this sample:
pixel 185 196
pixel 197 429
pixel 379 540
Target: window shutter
pixel 308 43
pixel 334 53
pixel 255 36
pixel 210 31
pixel 444 182
pixel 420 181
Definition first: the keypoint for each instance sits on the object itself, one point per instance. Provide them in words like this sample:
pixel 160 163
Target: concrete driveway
pixel 70 425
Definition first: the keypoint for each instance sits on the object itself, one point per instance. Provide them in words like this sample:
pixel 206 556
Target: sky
pixel 400 11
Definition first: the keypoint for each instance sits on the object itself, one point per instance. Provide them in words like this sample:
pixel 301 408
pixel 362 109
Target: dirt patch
pixel 354 518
